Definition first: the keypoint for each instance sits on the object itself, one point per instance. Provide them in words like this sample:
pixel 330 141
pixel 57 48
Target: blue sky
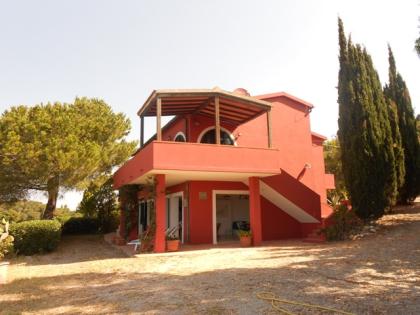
pixel 121 50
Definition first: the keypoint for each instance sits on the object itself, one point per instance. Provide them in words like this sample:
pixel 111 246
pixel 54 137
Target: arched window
pixel 210 137
pixel 180 137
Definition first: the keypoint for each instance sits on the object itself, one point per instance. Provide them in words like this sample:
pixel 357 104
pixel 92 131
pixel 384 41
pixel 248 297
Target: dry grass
pixel 376 275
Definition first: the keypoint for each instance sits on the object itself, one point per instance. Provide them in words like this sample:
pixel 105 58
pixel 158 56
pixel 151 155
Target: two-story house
pixel 228 159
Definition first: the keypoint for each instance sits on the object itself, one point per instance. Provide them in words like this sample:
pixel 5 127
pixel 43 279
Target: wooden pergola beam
pixel 202 93
pixel 202 106
pixel 217 118
pixel 141 131
pixel 158 119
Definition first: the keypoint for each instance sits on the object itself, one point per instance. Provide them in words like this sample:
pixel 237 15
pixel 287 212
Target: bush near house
pixel 6 240
pixel 81 225
pixel 36 236
pixel 6 246
pixel 100 202
pixel 343 222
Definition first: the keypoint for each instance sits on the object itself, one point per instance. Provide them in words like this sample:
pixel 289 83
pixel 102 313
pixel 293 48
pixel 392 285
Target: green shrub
pixel 81 225
pixel 111 222
pixel 36 236
pixel 6 240
pixel 6 246
pixel 63 218
pixel 100 201
pixel 343 222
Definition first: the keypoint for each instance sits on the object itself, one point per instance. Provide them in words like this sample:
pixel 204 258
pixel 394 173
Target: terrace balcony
pixel 183 161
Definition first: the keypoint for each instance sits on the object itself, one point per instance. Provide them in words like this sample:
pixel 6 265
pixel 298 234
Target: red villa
pixel 227 158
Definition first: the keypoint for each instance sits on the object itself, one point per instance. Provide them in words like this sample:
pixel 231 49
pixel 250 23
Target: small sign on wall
pixel 202 195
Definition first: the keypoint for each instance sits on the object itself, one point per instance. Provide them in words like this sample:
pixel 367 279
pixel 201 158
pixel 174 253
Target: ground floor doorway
pixel 230 214
pixel 175 214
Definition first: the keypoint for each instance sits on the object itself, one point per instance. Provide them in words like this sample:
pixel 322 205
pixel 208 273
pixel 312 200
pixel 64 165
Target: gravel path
pixel 379 274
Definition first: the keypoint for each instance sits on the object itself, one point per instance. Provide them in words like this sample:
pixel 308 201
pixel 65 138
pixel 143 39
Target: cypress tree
pixel 397 145
pixel 364 132
pixel 397 92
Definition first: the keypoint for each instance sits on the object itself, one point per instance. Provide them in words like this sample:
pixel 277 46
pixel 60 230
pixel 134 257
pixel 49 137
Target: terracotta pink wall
pixel 170 132
pixel 319 173
pixel 296 192
pixel 291 134
pixel 176 188
pixel 134 167
pixel 277 224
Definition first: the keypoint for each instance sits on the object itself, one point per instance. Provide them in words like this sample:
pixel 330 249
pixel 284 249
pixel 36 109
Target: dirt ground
pixel 379 274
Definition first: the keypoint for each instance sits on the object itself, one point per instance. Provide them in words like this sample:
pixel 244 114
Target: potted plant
pixel 245 237
pixel 172 243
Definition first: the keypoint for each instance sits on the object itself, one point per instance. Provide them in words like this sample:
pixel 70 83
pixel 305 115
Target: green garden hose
pixel 271 297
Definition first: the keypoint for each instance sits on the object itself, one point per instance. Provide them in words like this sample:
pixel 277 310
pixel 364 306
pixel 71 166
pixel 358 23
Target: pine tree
pixel 364 132
pixel 397 92
pixel 59 146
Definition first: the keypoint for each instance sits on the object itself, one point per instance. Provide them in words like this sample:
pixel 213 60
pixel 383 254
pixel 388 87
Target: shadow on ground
pixel 378 275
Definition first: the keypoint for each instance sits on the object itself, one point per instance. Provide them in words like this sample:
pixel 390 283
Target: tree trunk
pixel 52 186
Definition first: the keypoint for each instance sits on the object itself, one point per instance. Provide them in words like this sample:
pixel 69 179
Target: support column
pixel 217 118
pixel 141 131
pixel 160 206
pixel 158 119
pixel 255 210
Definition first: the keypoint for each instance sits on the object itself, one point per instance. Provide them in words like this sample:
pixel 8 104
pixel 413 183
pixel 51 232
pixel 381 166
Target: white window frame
pixel 180 133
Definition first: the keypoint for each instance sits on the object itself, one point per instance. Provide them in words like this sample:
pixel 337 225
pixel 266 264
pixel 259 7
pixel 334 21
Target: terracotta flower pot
pixel 172 245
pixel 246 241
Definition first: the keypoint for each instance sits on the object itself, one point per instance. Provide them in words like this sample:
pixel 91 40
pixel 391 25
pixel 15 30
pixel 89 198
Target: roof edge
pixel 319 136
pixel 216 91
pixel 284 94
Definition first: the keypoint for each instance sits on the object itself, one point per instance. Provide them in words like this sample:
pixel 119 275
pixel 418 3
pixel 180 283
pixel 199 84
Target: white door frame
pixel 179 194
pixel 214 209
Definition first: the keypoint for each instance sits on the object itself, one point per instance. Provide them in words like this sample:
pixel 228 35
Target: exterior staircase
pixel 305 207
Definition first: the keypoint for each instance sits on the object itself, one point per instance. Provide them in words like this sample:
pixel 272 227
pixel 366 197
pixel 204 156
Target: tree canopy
pixel 364 133
pixel 397 92
pixel 24 210
pixel 333 165
pixel 100 202
pixel 59 146
pixel 417 45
